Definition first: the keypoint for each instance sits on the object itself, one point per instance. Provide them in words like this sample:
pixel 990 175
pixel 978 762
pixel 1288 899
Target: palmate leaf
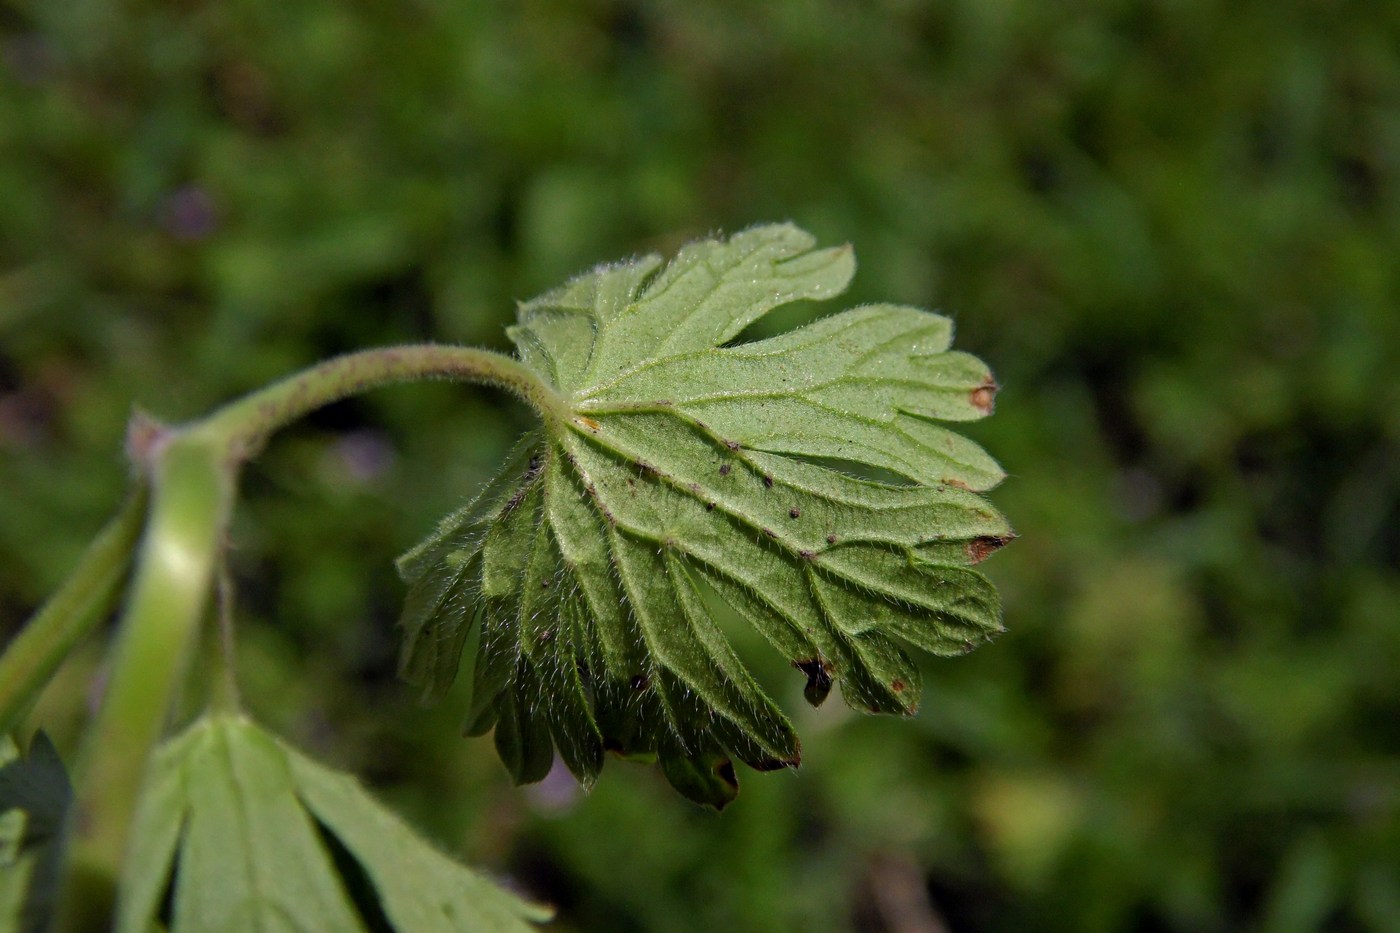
pixel 688 470
pixel 238 831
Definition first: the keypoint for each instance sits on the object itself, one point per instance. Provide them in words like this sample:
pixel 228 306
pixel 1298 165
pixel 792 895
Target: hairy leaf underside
pixel 690 473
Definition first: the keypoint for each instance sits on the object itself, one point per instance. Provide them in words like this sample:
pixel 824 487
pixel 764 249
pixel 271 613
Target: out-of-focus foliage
pixel 35 797
pixel 1170 227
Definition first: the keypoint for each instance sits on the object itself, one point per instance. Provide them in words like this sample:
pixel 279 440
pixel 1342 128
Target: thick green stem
pixel 192 496
pixel 40 647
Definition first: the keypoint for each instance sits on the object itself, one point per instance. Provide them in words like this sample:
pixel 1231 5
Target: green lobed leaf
pixel 689 467
pixel 258 837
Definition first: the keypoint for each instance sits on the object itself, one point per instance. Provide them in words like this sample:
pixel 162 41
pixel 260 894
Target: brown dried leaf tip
pixel 979 549
pixel 984 396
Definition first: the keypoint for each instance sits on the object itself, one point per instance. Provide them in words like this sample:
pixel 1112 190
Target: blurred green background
pixel 1171 227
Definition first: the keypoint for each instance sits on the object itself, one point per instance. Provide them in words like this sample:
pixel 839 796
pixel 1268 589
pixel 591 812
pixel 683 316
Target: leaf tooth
pixel 892 668
pixel 630 715
pixel 982 547
pixel 983 397
pixel 497 655
pixel 962 602
pixel 550 657
pixel 759 719
pixel 953 386
pixel 742 746
pixel 522 738
pixel 480 720
pixel 705 776
pixel 436 624
pixel 685 641
pixel 876 676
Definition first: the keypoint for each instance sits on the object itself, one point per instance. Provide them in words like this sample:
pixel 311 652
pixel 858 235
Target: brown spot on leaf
pixel 897 685
pixel 767 481
pixel 983 396
pixel 956 483
pixel 794 513
pixel 732 445
pixel 830 539
pixel 818 679
pixel 709 506
pixel 807 555
pixel 978 549
pixel 724 469
pixel 770 532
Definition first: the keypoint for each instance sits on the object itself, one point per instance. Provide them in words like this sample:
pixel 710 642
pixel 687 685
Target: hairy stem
pixel 246 424
pixel 80 603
